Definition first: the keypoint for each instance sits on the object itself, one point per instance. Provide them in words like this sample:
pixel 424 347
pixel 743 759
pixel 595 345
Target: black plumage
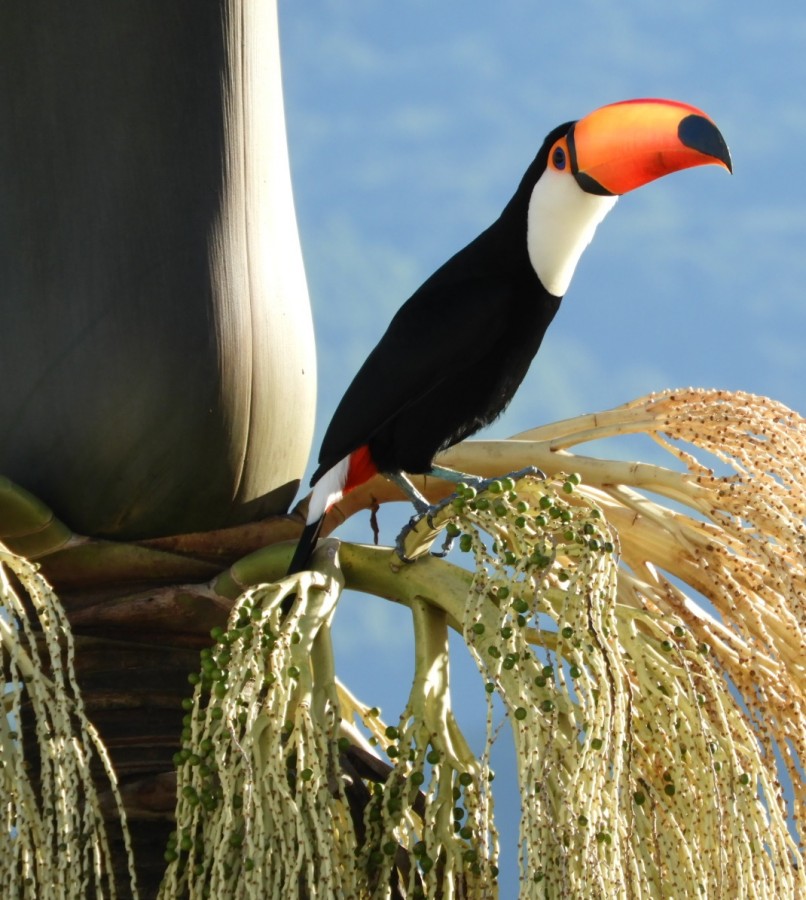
pixel 454 354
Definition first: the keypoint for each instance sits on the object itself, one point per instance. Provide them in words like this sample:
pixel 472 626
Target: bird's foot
pixel 418 535
pixel 504 482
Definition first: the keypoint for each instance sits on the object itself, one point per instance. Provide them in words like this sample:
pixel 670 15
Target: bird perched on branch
pixel 459 347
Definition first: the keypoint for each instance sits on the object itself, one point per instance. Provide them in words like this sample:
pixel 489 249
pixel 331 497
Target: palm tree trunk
pixel 156 355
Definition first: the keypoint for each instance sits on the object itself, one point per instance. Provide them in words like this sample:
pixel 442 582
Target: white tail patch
pixel 328 490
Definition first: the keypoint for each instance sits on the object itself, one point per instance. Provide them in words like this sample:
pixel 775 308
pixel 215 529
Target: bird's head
pixel 584 166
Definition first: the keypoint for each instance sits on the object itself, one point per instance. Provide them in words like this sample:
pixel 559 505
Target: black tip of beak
pixel 703 136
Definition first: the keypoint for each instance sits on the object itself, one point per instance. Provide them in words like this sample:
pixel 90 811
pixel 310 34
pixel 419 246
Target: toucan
pixel 459 347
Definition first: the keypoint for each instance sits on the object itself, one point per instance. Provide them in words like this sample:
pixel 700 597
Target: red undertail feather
pixel 330 488
pixel 362 468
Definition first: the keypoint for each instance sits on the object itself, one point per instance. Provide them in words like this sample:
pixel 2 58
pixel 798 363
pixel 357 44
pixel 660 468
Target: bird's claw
pixel 447 546
pixel 428 516
pixel 434 522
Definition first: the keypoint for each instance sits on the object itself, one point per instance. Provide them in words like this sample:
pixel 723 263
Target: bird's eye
pixel 558 158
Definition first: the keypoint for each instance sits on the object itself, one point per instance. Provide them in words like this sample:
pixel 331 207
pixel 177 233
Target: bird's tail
pixel 329 488
pixel 331 485
pixel 327 491
pixel 302 555
pixel 306 545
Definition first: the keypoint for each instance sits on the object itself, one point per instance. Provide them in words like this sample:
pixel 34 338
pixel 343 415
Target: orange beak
pixel 625 145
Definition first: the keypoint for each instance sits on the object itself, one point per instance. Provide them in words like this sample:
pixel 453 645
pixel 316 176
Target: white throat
pixel 561 222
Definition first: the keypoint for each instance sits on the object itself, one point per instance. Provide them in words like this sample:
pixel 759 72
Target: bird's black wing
pixel 444 328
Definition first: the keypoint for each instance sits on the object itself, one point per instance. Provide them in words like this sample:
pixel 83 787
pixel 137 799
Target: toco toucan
pixel 474 326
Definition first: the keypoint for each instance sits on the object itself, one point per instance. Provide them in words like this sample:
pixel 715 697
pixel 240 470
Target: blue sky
pixel 409 127
pixel 409 130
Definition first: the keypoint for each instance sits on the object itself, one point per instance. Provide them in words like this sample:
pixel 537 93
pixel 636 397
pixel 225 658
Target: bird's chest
pixel 508 356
